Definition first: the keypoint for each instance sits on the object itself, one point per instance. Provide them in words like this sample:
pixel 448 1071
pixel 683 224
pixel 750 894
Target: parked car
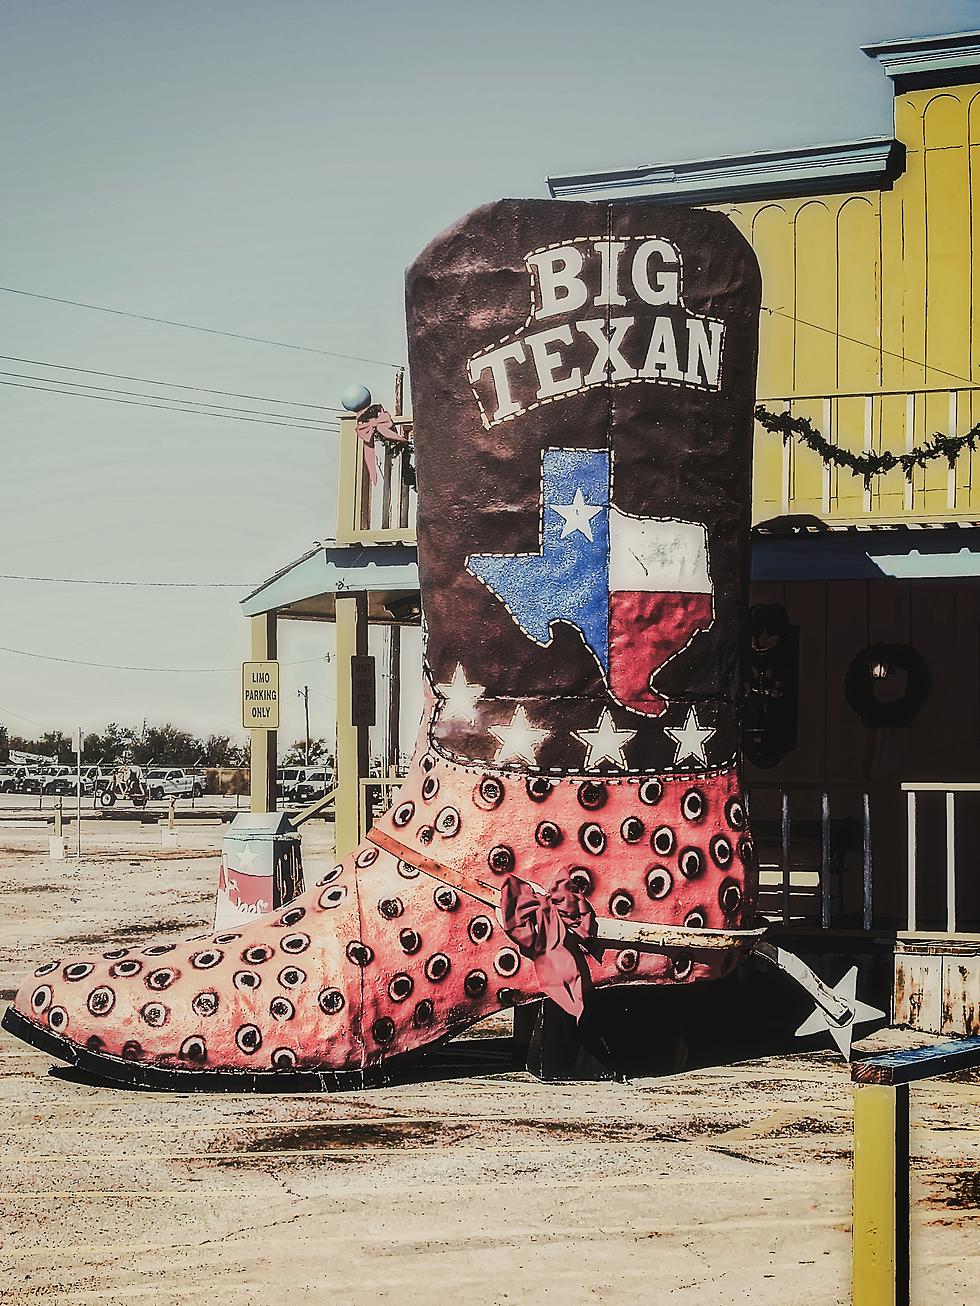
pixel 316 782
pixel 11 778
pixel 174 782
pixel 287 778
pixel 37 777
pixel 65 781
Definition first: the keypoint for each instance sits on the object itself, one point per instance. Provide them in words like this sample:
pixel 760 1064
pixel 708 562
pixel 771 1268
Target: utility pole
pixel 304 694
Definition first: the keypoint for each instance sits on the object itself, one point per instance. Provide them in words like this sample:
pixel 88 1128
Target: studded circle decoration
pixel 156 1015
pixel 291 977
pixel 651 791
pixel 475 984
pixel 111 955
pixel 408 872
pixel 49 966
pixel 592 795
pixel 41 999
pixel 359 953
pixel 248 1038
pixel 366 857
pixel 695 920
pixel 445 898
pixel 402 814
pixel 538 788
pixel 730 897
pixel 507 962
pixel 101 1001
pixel 426 834
pixel 194 1049
pixel 383 1030
pixel 721 851
pixel 206 959
pixel 333 897
pixel 423 1013
pixel 489 793
pixel 295 943
pixel 735 813
pixel 225 938
pixel 158 949
pixel 400 987
pixel 581 878
pixel 125 969
pixel 632 830
pixel 158 980
pixel 430 787
pixel 283 1059
pixel 331 1001
pixel 281 1008
pixel 501 859
pixel 693 806
pixel 77 971
pixel 662 841
pixel 691 862
pixel 410 941
pixel 627 960
pixel 58 1018
pixel 659 882
pixel 682 967
pixel 592 839
pixel 292 917
pixel 247 980
pixel 620 904
pixel 548 835
pixel 391 908
pixel 437 967
pixel 327 879
pixel 205 1004
pixel 480 929
pixel 257 954
pixel 447 822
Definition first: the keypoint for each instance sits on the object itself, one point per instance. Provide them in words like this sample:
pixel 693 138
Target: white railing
pixel 950 789
pixel 851 419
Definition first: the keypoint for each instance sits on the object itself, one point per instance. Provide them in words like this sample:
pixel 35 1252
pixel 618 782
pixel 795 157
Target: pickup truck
pixel 12 778
pixel 174 782
pixel 37 777
pixel 316 782
pixel 65 781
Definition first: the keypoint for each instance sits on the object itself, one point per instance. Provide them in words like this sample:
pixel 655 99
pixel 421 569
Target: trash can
pixel 261 868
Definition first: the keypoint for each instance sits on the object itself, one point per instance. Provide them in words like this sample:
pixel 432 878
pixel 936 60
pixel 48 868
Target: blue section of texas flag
pixel 568 580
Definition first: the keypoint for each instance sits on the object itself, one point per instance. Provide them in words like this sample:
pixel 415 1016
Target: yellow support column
pixel 263 761
pixel 880 1255
pixel 352 741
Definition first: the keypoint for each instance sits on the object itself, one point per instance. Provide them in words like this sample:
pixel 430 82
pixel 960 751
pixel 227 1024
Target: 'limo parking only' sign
pixel 260 695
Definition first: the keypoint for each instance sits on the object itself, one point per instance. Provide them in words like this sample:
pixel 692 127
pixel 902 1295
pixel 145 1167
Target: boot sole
pixel 132 1074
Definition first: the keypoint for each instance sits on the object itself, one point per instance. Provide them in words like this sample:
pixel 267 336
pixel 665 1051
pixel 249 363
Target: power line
pixel 190 326
pixel 176 385
pixel 138 584
pixel 169 408
pixel 198 403
pixel 115 666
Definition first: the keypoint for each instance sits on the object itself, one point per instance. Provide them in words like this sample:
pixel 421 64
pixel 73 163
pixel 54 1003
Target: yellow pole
pixel 263 763
pixel 352 741
pixel 880 1256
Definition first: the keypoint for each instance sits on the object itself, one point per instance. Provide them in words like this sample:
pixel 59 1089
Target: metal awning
pixel 307 589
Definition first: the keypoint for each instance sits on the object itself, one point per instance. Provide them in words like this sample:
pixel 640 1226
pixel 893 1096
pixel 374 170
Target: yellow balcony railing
pixel 790 479
pixel 380 513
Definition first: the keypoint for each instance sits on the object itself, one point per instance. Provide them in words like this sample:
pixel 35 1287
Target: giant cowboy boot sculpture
pixel 583 381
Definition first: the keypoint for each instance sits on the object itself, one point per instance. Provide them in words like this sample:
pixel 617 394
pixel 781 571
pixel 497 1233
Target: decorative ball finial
pixel 356 397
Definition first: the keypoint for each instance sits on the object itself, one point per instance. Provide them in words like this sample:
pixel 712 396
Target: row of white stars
pixel 519 740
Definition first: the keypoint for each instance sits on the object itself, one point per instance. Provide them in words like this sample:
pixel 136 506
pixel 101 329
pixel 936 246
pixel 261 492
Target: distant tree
pixel 107 746
pixel 218 750
pixel 166 745
pixel 295 755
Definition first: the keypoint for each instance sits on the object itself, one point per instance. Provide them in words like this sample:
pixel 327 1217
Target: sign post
pixel 260 695
pixel 78 794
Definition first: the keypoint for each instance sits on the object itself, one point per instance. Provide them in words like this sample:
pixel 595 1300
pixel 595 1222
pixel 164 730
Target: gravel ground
pixel 479 1185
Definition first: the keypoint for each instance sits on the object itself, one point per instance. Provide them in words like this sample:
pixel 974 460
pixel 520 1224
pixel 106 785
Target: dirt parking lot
pixel 479 1185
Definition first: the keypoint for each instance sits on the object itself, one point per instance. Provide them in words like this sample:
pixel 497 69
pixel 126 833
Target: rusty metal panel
pixel 918 991
pixel 961 995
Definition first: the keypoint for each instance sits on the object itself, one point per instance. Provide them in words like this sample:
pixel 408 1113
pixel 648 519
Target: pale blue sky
pixel 271 169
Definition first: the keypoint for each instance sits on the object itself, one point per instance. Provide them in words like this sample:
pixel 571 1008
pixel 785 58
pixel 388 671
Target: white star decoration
pixel 605 742
pixel 246 858
pixel 519 740
pixel 577 515
pixel 460 698
pixel 690 738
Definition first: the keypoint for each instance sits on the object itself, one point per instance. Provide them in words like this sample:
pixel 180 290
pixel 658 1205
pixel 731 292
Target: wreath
pixel 872 667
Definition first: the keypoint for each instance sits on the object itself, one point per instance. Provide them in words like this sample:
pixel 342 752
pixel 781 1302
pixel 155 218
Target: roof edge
pixel 870 164
pixel 924 61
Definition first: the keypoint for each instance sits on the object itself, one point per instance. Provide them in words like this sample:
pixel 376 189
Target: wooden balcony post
pixel 352 741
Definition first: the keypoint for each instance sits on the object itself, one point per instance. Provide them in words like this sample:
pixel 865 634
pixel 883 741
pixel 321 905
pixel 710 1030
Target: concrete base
pixel 56 847
pixel 169 838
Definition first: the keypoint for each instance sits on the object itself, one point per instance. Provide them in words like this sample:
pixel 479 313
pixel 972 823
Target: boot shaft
pixel 583 381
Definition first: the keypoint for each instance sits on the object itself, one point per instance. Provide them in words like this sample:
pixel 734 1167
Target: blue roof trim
pixel 928 60
pixel 820 169
pixel 337 569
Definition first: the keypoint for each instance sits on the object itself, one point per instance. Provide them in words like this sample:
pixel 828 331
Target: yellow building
pixel 863 682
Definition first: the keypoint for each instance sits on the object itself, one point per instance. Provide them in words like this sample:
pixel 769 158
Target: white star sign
pixel 519 740
pixel 690 738
pixel 605 743
pixel 459 697
pixel 577 515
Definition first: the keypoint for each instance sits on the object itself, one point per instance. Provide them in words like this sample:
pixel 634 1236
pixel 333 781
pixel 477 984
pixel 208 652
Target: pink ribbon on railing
pixel 371 422
pixel 544 925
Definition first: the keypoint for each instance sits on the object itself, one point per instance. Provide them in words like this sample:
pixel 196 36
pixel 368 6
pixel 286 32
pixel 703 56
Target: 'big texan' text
pixel 641 331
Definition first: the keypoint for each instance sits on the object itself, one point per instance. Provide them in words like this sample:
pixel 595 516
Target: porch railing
pixel 791 479
pixel 797 884
pixel 949 789
pixel 381 513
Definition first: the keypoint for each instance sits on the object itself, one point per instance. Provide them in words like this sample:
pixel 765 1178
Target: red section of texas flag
pixel 660 597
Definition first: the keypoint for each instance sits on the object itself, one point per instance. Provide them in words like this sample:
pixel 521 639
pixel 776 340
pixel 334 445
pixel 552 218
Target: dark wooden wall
pixel 941 620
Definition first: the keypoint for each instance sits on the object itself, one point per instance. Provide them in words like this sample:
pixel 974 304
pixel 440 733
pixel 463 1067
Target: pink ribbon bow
pixel 374 421
pixel 542 926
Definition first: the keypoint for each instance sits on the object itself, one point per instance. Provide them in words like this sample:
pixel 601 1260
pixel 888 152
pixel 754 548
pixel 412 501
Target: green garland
pixel 871 464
